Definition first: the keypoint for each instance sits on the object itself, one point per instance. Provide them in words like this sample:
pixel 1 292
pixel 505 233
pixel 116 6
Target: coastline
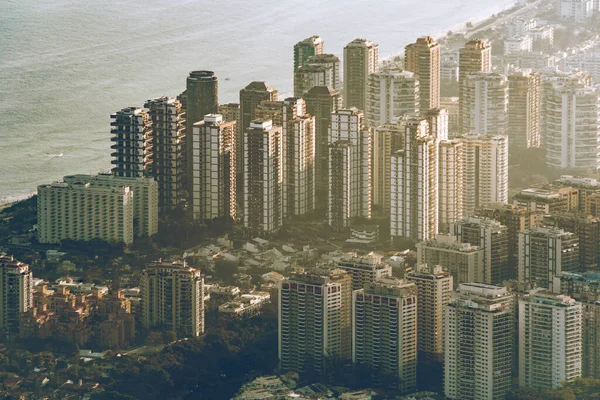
pixel 6 202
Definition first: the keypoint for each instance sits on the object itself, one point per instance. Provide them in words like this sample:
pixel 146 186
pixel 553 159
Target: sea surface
pixel 66 65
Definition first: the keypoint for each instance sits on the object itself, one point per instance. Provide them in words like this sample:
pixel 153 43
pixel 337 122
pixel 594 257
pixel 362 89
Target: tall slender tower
pixel 250 98
pixel 434 286
pixel 479 326
pixel 130 128
pixel 361 58
pixel 173 298
pixel 524 110
pixel 391 94
pixel 475 57
pixel 314 319
pixel 387 140
pixel 321 101
pixel 550 328
pixel 305 48
pixel 168 155
pixel 16 292
pixel 414 184
pixel 450 183
pixel 385 329
pixel 262 178
pixel 424 59
pixel 213 185
pixel 318 70
pixel 484 100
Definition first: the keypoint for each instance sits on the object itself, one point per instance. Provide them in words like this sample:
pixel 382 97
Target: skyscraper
pixel 305 48
pixel 333 64
pixel 387 140
pixel 549 340
pixel 130 128
pixel 318 70
pixel 364 270
pixel 168 151
pixel 546 252
pixel 361 58
pixel 524 110
pixel 485 171
pixel 475 57
pixel 390 94
pixel 385 329
pixel 479 326
pixel 16 292
pixel 414 184
pixel 434 286
pixel 250 98
pixel 314 320
pixel 484 104
pixel 213 184
pixel 321 101
pixel 262 178
pixel 348 125
pixel 173 298
pixel 450 183
pixel 343 195
pixel 230 112
pixel 492 237
pixel 423 58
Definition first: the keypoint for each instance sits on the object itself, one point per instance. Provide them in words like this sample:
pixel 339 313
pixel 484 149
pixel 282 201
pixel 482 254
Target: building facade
pixel 16 293
pixel 524 110
pixel 424 59
pixel 129 129
pixel 391 94
pixel 484 100
pixel 361 58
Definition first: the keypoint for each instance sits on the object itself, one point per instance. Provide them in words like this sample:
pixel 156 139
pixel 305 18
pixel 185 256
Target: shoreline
pixel 440 36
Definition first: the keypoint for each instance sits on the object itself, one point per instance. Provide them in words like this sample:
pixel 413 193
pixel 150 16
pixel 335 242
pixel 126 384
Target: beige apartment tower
pixel 390 95
pixel 475 57
pixel 450 185
pixel 361 58
pixel 524 110
pixel 484 103
pixel 387 140
pixel 423 58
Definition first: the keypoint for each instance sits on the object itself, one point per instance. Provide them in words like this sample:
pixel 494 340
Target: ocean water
pixel 66 65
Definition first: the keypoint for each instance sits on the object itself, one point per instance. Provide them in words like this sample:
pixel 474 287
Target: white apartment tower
pixel 434 288
pixel 544 253
pixel 361 58
pixel 363 271
pixel 572 123
pixel 348 125
pixel 485 171
pixel 213 185
pixel 384 334
pixel 173 298
pixel 16 292
pixel 484 100
pixel 391 94
pixel 479 326
pixel 129 130
pixel 524 110
pixel 263 178
pixel 550 328
pixel 450 187
pixel 414 181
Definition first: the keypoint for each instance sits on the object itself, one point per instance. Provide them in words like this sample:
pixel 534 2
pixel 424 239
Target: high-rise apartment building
pixel 361 58
pixel 548 200
pixel 450 186
pixel 333 64
pixel 166 151
pixel 424 59
pixel 545 252
pixel 524 110
pixel 83 210
pixel 364 270
pixel 321 101
pixel 516 219
pixel 586 187
pixel 549 340
pixel 173 298
pixel 344 176
pixel 587 230
pixel 387 139
pixel 129 129
pixel 451 105
pixel 492 237
pixel 16 292
pixel 464 261
pixel 438 123
pixel 230 112
pixel 414 184
pixel 475 57
pixel 318 70
pixel 314 320
pixel 385 329
pixel 485 171
pixel 262 178
pixel 434 287
pixel 572 122
pixel 348 125
pixel 213 184
pixel 250 97
pixel 390 94
pixel 484 104
pixel 479 326
pixel 306 48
